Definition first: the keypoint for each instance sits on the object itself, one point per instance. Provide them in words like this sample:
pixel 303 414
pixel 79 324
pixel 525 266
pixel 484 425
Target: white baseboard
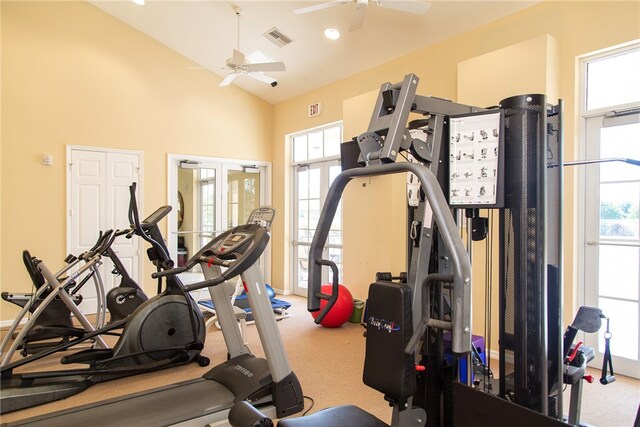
pixel 4 324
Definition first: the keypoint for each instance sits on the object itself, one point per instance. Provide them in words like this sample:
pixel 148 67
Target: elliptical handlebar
pixel 165 261
pixel 169 272
pixel 102 244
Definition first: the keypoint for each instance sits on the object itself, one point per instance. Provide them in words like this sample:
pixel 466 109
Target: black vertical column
pixel 524 228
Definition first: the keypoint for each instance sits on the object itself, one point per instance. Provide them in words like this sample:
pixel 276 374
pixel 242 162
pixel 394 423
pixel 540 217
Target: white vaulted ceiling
pixel 205 32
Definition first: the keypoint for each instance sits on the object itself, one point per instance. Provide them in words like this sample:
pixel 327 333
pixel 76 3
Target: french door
pixel 610 236
pixel 612 232
pixel 209 196
pixel 312 183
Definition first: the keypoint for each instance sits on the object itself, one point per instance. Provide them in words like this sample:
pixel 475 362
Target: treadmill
pixel 267 383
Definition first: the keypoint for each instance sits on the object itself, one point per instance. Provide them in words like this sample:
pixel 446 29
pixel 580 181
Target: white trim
pixel 313 129
pixel 140 187
pixel 314 161
pixel 5 324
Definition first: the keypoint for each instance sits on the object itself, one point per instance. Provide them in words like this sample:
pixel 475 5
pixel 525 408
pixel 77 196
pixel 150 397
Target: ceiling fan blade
pixel 261 77
pixel 320 6
pixel 227 80
pixel 267 66
pixel 417 7
pixel 238 57
pixel 357 19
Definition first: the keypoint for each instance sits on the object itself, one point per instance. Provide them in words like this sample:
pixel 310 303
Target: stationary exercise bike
pixel 164 331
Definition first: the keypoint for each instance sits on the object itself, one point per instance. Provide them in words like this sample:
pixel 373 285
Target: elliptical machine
pixel 50 306
pixel 164 331
pixel 49 321
pixel 53 325
pixel 267 382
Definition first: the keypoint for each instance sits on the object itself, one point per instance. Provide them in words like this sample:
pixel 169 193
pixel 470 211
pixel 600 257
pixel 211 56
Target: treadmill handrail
pixel 461 304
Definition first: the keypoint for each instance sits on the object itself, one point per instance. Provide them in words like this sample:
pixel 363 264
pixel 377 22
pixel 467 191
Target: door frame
pixel 173 163
pixel 140 187
pixel 584 213
pixel 323 165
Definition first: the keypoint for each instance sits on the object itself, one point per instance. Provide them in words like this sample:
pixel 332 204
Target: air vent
pixel 276 36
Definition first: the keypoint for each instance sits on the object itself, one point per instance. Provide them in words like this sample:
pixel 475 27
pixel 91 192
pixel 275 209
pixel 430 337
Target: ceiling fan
pixel 417 7
pixel 238 63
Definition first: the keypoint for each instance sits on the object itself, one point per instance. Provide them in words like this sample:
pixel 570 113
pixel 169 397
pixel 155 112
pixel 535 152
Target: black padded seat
pixel 338 416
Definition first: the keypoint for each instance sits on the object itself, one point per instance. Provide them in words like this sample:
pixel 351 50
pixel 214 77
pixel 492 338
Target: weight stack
pixel 530 254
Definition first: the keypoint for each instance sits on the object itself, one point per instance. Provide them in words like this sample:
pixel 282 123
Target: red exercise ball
pixel 341 310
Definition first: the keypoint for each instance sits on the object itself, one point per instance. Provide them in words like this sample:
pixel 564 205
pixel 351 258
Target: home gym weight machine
pixel 404 348
pixel 266 382
pixel 398 363
pixel 166 330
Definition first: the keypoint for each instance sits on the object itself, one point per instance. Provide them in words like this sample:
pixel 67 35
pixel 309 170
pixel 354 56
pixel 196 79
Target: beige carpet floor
pixel 328 363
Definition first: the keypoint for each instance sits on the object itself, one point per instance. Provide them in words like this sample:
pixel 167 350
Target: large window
pixel 610 105
pixel 316 163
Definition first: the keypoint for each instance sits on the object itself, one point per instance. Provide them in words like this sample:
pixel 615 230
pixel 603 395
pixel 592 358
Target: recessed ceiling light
pixel 138 2
pixel 332 34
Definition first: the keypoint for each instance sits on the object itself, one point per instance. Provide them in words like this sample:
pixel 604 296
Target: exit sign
pixel 315 109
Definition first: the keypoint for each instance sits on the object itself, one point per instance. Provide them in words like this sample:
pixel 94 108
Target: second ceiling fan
pixel 416 7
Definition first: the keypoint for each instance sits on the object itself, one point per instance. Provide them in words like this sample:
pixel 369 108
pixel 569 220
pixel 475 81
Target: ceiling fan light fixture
pixel 332 34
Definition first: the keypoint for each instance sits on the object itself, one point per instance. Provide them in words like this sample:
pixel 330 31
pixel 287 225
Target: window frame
pixel 587 208
pixel 323 163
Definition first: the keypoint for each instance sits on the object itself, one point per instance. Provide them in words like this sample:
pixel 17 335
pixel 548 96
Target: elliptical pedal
pixel 87 356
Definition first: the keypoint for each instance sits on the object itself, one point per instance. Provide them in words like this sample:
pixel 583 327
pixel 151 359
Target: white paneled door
pixel 98 200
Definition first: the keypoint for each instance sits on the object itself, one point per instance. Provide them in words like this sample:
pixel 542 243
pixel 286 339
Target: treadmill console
pixel 234 239
pixel 262 216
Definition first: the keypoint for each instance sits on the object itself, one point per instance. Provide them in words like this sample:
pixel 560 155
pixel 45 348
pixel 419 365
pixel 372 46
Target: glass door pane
pixel 311 187
pixel 307 192
pixel 245 192
pixel 315 165
pixel 243 195
pixel 208 197
pixel 612 263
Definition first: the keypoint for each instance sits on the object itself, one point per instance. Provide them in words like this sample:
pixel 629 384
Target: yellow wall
pixel 374 214
pixel 489 78
pixel 578 28
pixel 72 74
pixel 486 80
